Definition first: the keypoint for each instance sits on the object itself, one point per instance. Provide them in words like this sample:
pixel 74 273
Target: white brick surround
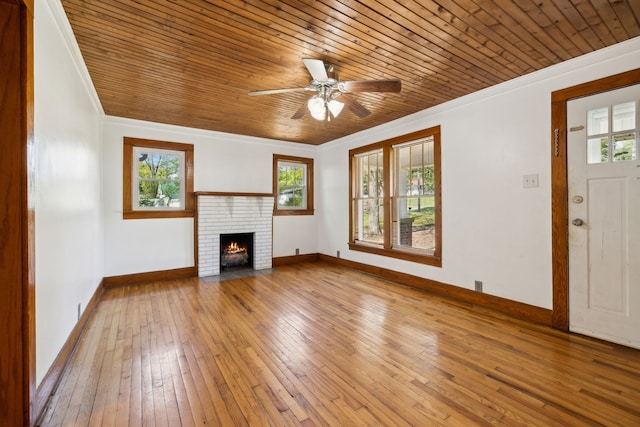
pixel 224 214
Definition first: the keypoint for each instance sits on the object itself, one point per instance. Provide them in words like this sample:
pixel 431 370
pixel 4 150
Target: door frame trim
pixel 17 218
pixel 559 184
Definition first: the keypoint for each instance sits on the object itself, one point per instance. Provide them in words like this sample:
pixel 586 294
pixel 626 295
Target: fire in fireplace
pixel 236 251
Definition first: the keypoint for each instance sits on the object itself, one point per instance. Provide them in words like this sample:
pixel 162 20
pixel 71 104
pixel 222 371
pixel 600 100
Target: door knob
pixel 577 222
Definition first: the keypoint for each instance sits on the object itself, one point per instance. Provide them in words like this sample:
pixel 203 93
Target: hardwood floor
pixel 319 344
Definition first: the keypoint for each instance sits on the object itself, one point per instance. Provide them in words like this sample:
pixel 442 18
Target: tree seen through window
pixel 159 180
pixel 291 185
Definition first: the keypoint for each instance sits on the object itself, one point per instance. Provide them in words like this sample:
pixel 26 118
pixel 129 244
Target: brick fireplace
pixel 227 213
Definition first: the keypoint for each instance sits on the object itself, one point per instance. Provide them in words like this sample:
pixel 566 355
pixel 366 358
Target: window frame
pixel 386 249
pixel 308 164
pixel 128 212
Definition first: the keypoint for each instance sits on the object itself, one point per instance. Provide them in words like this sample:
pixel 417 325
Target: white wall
pixel 67 186
pixel 222 162
pixel 494 230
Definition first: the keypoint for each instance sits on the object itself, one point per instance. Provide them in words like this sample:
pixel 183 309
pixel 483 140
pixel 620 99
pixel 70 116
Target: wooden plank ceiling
pixel 192 63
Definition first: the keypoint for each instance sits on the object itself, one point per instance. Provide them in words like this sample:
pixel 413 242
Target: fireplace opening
pixel 236 251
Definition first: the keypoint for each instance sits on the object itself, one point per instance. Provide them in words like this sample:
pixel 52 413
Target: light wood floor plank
pixel 322 345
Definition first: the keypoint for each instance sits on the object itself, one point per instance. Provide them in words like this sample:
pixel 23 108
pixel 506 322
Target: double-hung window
pixel 395 197
pixel 292 185
pixel 158 179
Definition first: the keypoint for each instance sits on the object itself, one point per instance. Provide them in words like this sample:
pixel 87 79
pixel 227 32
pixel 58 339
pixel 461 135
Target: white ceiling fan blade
pixel 275 91
pixel 316 69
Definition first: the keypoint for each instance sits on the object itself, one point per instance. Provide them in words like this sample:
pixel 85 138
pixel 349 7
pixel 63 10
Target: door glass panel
pixel 598 121
pixel 624 147
pixel 597 150
pixel 624 116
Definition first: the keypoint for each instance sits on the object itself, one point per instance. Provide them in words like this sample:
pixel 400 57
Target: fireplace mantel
pixel 223 213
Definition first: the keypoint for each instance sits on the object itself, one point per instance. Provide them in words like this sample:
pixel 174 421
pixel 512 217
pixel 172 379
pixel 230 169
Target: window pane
pixel 416 170
pixel 371 175
pixel 155 193
pixel 428 168
pixel 598 121
pixel 291 197
pixel 624 116
pixel 154 165
pixel 291 175
pixel 415 228
pixel 363 165
pixel 403 175
pixel 369 220
pixel 597 150
pixel 158 180
pixel 374 176
pixel 624 147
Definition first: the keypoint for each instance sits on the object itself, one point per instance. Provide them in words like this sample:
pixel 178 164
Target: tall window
pixel 369 197
pixel 293 185
pixel 158 179
pixel 395 197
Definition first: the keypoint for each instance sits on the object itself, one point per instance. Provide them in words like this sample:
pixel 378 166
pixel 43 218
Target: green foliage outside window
pixel 159 180
pixel 624 147
pixel 291 186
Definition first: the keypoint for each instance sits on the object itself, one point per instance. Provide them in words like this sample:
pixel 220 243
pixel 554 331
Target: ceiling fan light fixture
pixel 335 107
pixel 324 106
pixel 317 107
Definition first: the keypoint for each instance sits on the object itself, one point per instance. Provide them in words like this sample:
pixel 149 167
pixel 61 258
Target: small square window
pixel 157 179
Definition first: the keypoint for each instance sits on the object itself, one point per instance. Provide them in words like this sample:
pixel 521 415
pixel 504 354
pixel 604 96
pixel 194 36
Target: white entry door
pixel 604 215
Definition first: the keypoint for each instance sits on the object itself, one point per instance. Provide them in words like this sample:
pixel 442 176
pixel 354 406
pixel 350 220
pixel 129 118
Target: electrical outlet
pixel 79 310
pixel 337 254
pixel 297 251
pixel 530 181
pixel 478 286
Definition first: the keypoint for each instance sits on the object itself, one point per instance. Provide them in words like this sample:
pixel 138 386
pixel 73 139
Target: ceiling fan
pixel 332 94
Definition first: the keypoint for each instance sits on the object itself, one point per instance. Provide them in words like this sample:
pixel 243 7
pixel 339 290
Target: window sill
pixel 283 212
pixel 435 261
pixel 158 214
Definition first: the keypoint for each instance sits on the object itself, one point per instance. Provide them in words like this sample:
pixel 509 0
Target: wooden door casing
pixel 17 293
pixel 559 184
